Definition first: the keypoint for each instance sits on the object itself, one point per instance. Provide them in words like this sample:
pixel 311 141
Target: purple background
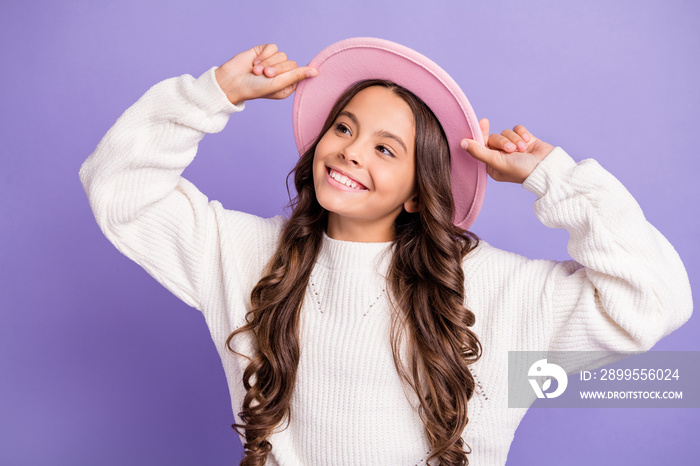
pixel 101 365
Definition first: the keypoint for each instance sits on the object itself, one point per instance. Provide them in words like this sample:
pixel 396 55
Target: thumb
pixel 481 152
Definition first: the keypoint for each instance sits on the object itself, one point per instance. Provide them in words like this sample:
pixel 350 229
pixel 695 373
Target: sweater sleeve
pixel 136 192
pixel 626 287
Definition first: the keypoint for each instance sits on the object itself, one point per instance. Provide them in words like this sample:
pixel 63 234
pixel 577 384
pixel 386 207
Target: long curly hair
pixel 426 284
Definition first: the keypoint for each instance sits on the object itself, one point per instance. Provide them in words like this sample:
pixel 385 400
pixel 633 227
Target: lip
pixel 341 186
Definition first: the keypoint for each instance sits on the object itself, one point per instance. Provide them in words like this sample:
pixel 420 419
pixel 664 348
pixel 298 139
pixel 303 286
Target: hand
pixel 261 72
pixel 502 162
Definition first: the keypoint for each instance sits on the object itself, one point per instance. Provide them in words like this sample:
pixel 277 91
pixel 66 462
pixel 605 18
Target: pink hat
pixel 344 63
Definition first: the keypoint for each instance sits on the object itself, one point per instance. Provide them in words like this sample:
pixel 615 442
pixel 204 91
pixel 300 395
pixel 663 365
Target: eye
pixel 342 128
pixel 385 150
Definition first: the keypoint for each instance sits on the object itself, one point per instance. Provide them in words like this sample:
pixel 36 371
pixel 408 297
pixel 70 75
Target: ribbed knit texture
pixel 625 289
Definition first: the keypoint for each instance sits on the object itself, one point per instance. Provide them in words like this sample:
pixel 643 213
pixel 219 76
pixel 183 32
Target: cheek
pixel 399 182
pixel 318 167
pixel 323 143
pixel 315 168
pixel 320 152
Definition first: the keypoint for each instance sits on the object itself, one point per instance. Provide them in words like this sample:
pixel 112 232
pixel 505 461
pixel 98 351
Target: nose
pixel 352 153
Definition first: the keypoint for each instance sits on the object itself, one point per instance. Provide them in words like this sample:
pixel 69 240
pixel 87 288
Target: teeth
pixel 343 179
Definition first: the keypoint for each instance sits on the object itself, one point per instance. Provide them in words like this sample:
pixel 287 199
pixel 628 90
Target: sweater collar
pixel 349 255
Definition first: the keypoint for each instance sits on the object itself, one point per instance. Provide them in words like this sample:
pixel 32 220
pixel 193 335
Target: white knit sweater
pixel 625 289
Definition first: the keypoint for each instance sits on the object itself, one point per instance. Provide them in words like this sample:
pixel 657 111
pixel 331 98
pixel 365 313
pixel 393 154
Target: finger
pixel 498 141
pixel 280 68
pixel 290 79
pixel 515 139
pixel 520 129
pixel 273 70
pixel 484 125
pixel 490 157
pixel 276 58
pixel 263 52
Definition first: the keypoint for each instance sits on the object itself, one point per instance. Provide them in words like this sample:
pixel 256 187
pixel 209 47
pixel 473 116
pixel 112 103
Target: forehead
pixel 382 108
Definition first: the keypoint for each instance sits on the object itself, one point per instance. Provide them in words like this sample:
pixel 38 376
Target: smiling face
pixel 364 167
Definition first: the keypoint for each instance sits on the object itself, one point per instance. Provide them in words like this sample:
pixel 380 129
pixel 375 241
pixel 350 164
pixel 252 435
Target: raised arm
pixel 133 178
pixel 626 287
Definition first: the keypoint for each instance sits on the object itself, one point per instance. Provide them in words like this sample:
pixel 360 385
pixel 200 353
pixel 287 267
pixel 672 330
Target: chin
pixel 328 204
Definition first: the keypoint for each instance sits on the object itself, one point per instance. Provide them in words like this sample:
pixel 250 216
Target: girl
pixel 371 327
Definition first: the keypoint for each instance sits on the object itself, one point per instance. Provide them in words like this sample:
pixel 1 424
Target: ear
pixel 412 205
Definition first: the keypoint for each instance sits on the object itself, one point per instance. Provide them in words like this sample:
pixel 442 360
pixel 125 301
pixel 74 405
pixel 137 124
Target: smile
pixel 345 180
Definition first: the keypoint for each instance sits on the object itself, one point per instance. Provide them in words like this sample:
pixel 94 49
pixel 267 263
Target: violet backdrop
pixel 101 365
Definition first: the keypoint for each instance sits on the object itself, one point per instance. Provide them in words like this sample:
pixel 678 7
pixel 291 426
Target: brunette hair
pixel 426 284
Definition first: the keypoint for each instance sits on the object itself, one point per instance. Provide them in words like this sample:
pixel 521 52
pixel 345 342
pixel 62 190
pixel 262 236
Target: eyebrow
pixel 385 134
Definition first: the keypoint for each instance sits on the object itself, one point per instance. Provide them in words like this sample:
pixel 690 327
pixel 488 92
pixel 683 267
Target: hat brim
pixel 351 60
